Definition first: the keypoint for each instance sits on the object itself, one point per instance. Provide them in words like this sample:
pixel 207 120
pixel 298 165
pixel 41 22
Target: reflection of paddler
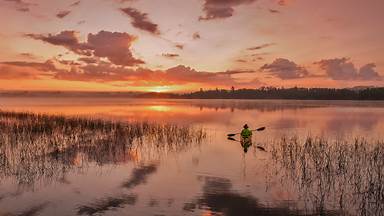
pixel 246 138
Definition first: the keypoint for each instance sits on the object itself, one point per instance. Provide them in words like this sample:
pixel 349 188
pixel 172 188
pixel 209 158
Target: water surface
pixel 214 177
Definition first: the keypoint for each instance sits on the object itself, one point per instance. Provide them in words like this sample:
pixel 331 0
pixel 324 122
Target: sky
pixel 185 45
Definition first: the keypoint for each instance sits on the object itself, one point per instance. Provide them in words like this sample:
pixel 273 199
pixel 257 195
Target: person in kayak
pixel 246 138
pixel 246 133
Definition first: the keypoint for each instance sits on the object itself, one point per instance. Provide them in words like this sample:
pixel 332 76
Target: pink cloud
pixel 344 69
pixel 285 69
pixel 115 46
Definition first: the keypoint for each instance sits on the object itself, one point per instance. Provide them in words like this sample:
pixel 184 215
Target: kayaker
pixel 246 138
pixel 246 133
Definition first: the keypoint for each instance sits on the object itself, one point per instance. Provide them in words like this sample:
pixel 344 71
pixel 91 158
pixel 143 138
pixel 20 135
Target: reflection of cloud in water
pixel 31 211
pixel 345 121
pixel 219 197
pixel 139 176
pixel 285 123
pixel 100 206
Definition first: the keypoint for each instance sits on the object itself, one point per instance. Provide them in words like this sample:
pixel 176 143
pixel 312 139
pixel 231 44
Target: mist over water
pixel 207 175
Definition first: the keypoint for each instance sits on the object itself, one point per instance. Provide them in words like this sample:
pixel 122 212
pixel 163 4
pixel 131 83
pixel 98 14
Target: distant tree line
pixel 288 93
pixel 357 93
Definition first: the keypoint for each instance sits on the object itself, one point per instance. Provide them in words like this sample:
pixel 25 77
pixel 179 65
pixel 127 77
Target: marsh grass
pixel 347 176
pixel 40 146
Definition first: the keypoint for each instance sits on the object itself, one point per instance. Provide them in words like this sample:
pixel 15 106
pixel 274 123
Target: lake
pixel 297 174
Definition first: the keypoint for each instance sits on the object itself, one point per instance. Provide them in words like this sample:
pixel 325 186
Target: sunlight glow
pixel 159 108
pixel 159 89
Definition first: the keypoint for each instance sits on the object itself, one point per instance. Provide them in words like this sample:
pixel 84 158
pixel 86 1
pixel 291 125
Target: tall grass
pixel 341 175
pixel 39 146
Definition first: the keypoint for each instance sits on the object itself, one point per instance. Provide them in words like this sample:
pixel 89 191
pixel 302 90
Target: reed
pixel 40 146
pixel 347 176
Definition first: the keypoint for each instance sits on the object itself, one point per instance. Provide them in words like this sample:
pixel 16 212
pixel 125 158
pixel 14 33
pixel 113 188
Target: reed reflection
pixel 336 175
pixel 44 148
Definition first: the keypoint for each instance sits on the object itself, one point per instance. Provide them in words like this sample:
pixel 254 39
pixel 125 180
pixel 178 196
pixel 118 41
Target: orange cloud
pixel 104 72
pixel 26 70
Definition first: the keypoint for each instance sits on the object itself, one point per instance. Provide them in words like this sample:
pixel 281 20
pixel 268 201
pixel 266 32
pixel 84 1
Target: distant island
pixel 296 93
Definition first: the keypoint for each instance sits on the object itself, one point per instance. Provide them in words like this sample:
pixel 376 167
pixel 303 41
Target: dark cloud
pixel 274 11
pixel 344 69
pixel 179 46
pixel 259 58
pixel 115 46
pixel 170 55
pixel 22 5
pixel 63 14
pixel 27 55
pixel 218 9
pixel 123 1
pixel 261 46
pixel 241 60
pixel 74 4
pixel 67 39
pixel 285 69
pixel 140 20
pixel 196 35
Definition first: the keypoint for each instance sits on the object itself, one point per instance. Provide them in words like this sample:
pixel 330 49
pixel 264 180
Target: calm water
pixel 210 178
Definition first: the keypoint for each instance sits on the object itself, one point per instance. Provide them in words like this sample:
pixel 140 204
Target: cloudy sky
pixel 182 45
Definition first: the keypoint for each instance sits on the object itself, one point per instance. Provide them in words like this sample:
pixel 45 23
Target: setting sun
pixel 160 89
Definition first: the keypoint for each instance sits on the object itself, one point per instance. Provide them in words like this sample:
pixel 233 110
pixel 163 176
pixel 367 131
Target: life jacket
pixel 245 133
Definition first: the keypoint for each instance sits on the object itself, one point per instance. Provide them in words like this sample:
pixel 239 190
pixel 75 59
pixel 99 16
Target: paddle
pixel 259 147
pixel 258 129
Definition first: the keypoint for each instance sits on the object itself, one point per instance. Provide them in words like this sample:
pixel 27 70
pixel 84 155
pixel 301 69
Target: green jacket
pixel 245 133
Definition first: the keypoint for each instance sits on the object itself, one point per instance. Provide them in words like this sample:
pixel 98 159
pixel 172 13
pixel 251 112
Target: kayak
pixel 246 142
